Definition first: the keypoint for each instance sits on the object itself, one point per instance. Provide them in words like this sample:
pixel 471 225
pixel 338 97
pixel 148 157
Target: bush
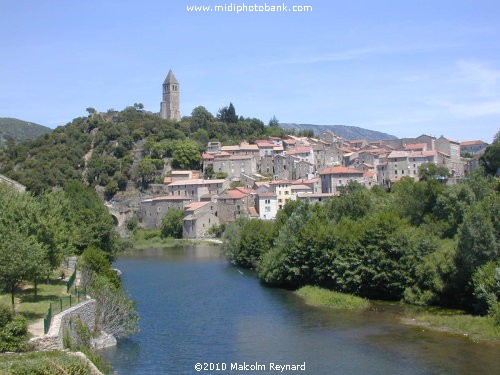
pixel 171 224
pixel 13 331
pixel 132 223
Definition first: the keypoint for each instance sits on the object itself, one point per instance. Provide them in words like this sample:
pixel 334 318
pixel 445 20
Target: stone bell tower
pixel 169 107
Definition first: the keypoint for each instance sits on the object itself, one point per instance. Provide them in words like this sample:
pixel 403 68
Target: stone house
pixel 473 147
pixel 335 177
pixel 199 217
pixel 235 203
pixel 196 188
pixel 152 211
pixel 451 149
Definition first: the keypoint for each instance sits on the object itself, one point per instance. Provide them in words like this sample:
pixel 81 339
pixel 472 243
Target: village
pixel 257 180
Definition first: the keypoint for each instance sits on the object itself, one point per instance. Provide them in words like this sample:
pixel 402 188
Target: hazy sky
pixel 403 67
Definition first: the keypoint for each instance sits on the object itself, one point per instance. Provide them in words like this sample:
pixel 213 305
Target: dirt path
pixel 36 328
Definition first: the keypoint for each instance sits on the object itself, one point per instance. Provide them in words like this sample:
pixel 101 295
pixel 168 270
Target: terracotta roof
pixel 357 141
pixel 422 154
pixel 340 170
pixel 241 157
pixel 472 143
pixel 299 150
pixel 207 156
pixel 301 187
pixel 414 146
pixel 369 174
pixel 245 190
pixel 261 183
pixel 195 205
pixel 280 182
pixel 168 198
pixel 233 194
pixel 248 147
pixel 264 144
pixel 230 148
pixel 398 154
pixel 197 181
pixel 167 180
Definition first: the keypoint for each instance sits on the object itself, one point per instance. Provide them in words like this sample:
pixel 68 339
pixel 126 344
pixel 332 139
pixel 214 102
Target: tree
pixel 228 114
pixel 146 171
pixel 478 242
pixel 486 287
pixel 172 222
pixel 274 122
pixel 115 312
pixel 428 171
pixel 91 223
pixel 491 158
pixel 22 254
pixel 186 155
pixel 91 111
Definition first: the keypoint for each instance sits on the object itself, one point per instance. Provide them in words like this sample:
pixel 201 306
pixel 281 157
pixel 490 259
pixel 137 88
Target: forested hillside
pixel 99 149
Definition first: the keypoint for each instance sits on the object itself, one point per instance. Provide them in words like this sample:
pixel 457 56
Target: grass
pixel 317 296
pixel 54 362
pixel 25 298
pixel 151 238
pixel 476 327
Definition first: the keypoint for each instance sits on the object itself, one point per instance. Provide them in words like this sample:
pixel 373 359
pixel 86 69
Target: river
pixel 195 308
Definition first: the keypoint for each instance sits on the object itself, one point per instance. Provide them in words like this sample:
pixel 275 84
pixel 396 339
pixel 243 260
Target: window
pixel 268 209
pixel 402 171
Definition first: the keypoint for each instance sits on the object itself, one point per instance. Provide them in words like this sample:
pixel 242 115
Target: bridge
pixel 119 213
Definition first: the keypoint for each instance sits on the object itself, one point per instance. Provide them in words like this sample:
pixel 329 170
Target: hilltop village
pixel 256 180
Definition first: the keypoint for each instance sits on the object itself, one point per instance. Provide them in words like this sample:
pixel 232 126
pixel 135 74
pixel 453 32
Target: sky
pixel 400 67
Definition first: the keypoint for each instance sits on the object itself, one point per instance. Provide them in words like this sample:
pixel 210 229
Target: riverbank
pixel 151 238
pixel 53 362
pixel 321 297
pixel 477 328
pixel 442 320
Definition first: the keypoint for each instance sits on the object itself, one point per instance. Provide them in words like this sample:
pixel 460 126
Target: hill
pixel 19 130
pixel 345 131
pixel 119 149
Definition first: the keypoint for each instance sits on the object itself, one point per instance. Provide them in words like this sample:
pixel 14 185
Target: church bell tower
pixel 169 108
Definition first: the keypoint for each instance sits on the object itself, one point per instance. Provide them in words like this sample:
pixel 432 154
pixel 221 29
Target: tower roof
pixel 171 78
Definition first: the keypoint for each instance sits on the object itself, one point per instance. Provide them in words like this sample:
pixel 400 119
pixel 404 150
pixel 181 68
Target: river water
pixel 194 308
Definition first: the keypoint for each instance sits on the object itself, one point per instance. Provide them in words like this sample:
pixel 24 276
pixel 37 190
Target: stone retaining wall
pixel 53 340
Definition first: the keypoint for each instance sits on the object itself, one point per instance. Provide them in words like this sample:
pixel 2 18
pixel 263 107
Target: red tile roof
pixel 415 146
pixel 195 205
pixel 299 150
pixel 472 143
pixel 340 170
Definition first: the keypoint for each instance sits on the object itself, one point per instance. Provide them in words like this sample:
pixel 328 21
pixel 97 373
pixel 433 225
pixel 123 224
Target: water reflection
pixel 195 308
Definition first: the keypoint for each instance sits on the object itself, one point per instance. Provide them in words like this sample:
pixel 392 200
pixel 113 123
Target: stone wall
pixel 53 340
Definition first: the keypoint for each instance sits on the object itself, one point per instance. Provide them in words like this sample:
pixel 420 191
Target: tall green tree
pixel 186 155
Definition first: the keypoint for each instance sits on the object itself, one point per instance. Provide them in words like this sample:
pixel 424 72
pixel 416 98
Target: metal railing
pixel 61 304
pixel 70 282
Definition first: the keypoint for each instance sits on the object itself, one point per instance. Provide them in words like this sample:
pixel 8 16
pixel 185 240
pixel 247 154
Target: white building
pixel 268 206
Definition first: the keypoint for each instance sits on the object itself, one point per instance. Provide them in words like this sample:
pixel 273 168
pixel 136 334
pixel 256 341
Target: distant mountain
pixel 345 131
pixel 18 130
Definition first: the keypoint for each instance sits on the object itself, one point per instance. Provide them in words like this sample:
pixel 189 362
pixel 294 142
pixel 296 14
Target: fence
pixel 70 282
pixel 61 304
